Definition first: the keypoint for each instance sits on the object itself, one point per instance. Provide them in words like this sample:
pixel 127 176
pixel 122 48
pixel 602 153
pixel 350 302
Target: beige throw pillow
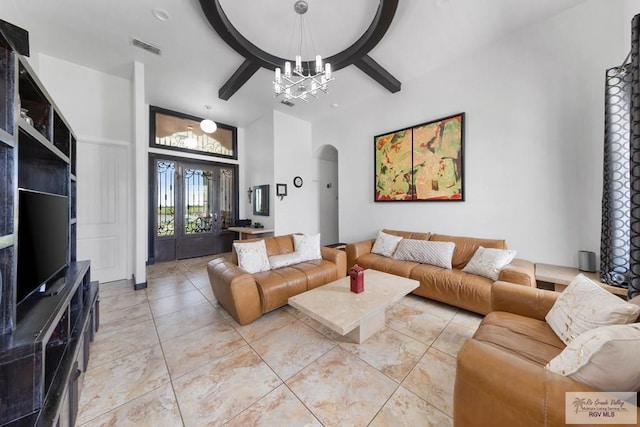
pixel 385 244
pixel 284 260
pixel 584 306
pixel 487 262
pixel 605 358
pixel 308 247
pixel 425 252
pixel 252 256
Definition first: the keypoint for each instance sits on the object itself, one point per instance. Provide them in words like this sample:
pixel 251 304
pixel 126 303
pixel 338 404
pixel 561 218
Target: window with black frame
pixel 177 131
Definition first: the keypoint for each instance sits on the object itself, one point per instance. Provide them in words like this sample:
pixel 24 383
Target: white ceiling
pixel 195 62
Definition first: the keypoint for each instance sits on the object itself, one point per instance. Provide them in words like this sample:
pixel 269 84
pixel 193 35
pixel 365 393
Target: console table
pixel 251 233
pixel 560 277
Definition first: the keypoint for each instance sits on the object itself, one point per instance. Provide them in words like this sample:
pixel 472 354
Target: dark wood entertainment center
pixel 45 340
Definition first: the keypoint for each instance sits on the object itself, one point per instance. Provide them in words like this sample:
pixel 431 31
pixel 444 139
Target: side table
pixel 560 277
pixel 251 232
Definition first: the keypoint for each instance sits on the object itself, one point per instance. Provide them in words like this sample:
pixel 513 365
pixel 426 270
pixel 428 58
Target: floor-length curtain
pixel 615 248
pixel 634 282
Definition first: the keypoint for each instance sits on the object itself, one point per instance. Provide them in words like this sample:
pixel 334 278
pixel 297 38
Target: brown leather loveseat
pixel 247 296
pixel 451 286
pixel 501 378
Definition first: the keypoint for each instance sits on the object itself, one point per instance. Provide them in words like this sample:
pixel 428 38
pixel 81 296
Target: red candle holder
pixel 357 279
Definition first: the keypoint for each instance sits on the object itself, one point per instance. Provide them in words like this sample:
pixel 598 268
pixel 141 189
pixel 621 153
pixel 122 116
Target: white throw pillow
pixel 487 262
pixel 252 256
pixel 385 244
pixel 284 260
pixel 307 246
pixel 605 358
pixel 425 252
pixel 584 306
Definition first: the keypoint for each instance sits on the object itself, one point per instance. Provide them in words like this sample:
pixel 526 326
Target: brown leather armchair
pixel 500 377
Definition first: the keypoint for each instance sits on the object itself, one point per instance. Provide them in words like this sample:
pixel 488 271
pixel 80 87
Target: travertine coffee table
pixel 358 316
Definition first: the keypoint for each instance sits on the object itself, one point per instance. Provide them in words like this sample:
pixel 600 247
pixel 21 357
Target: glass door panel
pixel 199 214
pixel 193 205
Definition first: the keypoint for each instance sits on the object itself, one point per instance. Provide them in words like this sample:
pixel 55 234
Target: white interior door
pixel 103 203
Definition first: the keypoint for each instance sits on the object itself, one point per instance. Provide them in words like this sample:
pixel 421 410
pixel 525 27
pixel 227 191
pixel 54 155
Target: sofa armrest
pixel 235 289
pixel 522 300
pixel 520 272
pixel 336 256
pixel 356 250
pixel 496 388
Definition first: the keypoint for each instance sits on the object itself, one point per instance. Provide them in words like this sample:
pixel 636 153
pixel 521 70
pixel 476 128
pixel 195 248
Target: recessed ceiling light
pixel 335 105
pixel 160 14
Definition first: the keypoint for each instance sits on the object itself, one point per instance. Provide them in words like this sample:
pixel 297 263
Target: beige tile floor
pixel 170 356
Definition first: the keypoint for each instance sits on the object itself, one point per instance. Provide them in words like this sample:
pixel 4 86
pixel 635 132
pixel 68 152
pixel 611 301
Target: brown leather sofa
pixel 247 296
pixel 500 376
pixel 453 287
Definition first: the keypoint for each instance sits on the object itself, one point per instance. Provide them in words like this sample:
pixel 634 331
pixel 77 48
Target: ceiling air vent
pixel 287 103
pixel 146 46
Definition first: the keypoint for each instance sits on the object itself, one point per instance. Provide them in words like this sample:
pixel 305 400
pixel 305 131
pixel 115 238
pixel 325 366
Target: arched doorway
pixel 326 158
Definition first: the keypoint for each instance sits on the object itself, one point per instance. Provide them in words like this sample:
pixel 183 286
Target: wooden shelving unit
pixel 44 341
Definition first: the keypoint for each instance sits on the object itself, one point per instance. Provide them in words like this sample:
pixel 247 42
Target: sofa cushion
pixel 524 337
pixel 466 247
pixel 425 252
pixel 589 358
pixel 278 245
pixel 386 265
pixel 454 287
pixel 408 234
pixel 488 262
pixel 252 256
pixel 385 244
pixel 318 272
pixel 276 286
pixel 583 306
pixel 308 246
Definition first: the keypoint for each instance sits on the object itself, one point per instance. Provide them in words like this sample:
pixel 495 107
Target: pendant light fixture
pixel 297 82
pixel 208 125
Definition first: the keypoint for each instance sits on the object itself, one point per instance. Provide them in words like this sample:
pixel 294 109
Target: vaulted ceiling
pixel 195 62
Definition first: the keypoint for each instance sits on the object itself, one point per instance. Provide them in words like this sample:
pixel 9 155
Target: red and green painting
pixel 421 163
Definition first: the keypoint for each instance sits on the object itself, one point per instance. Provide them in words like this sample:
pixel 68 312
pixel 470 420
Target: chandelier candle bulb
pixel 298 63
pixel 287 69
pixel 318 64
pixel 278 76
pixel 327 71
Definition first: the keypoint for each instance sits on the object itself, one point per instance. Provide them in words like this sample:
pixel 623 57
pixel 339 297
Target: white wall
pixel 258 165
pixel 297 212
pixel 98 109
pixel 533 138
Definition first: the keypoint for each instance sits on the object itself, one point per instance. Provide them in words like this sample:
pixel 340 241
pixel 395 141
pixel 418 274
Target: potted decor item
pixel 357 279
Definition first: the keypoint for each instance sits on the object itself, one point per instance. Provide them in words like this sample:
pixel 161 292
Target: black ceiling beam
pixel 377 73
pixel 18 38
pixel 238 79
pixel 256 57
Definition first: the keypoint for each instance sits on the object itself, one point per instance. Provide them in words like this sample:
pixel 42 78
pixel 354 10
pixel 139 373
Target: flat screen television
pixel 43 236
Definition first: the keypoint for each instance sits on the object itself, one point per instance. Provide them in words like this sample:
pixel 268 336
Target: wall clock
pixel 297 182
